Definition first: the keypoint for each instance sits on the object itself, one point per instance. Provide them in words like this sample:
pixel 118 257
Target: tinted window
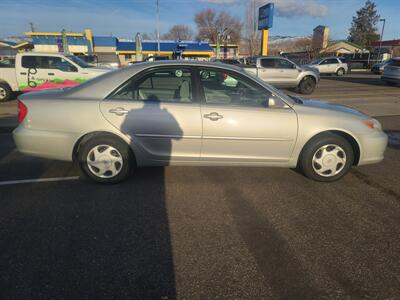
pixel 168 85
pixel 268 63
pixel 221 87
pixel 284 64
pixel 47 62
pixel 330 61
pixel 31 62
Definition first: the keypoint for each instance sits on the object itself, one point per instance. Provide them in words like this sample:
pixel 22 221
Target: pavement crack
pixel 364 178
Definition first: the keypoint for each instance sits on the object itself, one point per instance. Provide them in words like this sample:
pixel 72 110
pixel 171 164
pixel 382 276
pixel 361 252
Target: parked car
pixel 283 73
pixel 195 114
pixel 391 73
pixel 379 67
pixel 32 70
pixel 330 65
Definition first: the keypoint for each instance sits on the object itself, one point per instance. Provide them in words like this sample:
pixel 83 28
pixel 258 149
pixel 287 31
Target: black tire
pixel 123 151
pixel 5 92
pixel 307 165
pixel 340 72
pixel 307 85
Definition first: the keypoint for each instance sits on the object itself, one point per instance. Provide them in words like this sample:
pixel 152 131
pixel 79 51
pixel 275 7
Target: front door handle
pixel 214 116
pixel 119 111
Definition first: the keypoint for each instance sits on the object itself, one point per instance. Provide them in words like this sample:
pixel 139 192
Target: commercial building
pixel 391 47
pixel 9 49
pixel 112 50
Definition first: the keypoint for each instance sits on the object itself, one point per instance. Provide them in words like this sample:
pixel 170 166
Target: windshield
pixel 79 61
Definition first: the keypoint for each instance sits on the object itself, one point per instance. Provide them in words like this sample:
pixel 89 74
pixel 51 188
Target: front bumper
pixel 373 147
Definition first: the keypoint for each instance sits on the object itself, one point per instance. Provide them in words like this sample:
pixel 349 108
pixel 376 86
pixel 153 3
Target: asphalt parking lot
pixel 206 232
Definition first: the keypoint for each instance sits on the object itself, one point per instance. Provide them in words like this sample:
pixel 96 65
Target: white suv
pixel 330 65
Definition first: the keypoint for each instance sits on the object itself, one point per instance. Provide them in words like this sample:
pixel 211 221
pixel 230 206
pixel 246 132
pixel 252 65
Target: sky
pixel 124 18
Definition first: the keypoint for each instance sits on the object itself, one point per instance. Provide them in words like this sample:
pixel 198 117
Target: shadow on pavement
pixel 100 242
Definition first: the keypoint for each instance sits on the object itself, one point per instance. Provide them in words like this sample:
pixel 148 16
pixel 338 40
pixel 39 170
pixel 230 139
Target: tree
pixel 363 28
pixel 179 32
pixel 210 23
pixel 253 37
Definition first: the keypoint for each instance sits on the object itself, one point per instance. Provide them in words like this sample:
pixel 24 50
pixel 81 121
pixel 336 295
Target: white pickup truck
pixel 283 73
pixel 35 71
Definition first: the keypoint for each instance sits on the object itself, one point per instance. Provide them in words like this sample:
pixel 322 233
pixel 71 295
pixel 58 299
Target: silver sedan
pixel 192 113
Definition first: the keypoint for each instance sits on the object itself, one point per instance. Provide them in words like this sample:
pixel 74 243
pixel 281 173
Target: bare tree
pixel 179 32
pixel 252 39
pixel 210 23
pixel 148 36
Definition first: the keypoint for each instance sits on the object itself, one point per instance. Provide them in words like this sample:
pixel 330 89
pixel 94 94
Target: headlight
pixel 373 124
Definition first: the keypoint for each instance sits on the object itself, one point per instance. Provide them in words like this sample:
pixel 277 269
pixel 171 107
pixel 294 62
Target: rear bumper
pixel 373 148
pixel 46 144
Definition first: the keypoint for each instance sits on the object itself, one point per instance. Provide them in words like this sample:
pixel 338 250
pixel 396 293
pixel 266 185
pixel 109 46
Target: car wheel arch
pixel 350 138
pixel 95 134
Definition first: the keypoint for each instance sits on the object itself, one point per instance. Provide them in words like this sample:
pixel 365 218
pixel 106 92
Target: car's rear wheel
pixel 327 157
pixel 106 159
pixel 340 72
pixel 307 85
pixel 5 92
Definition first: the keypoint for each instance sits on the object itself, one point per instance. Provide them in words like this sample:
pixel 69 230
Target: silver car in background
pixel 330 65
pixel 391 73
pixel 283 73
pixel 193 114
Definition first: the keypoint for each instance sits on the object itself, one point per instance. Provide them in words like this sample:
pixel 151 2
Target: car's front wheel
pixel 327 157
pixel 340 72
pixel 307 85
pixel 106 159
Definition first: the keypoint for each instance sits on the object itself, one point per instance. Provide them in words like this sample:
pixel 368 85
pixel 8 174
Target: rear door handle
pixel 119 111
pixel 214 116
pixel 23 73
pixel 51 74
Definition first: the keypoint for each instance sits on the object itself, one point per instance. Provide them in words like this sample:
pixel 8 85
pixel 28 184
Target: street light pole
pixel 158 27
pixel 380 42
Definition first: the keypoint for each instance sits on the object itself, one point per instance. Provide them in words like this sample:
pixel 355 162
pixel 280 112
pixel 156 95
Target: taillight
pixel 22 111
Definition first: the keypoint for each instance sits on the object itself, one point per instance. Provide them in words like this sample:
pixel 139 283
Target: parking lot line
pixel 37 180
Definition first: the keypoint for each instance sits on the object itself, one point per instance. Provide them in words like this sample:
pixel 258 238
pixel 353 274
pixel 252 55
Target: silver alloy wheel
pixel 340 72
pixel 104 161
pixel 3 93
pixel 329 160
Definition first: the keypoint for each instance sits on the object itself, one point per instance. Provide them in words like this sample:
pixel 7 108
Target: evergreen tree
pixel 363 28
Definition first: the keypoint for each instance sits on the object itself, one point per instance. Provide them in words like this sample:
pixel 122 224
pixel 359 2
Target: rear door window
pixel 165 85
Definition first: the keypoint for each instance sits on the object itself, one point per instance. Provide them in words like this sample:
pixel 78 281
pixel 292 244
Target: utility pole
pixel 32 27
pixel 380 42
pixel 158 26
